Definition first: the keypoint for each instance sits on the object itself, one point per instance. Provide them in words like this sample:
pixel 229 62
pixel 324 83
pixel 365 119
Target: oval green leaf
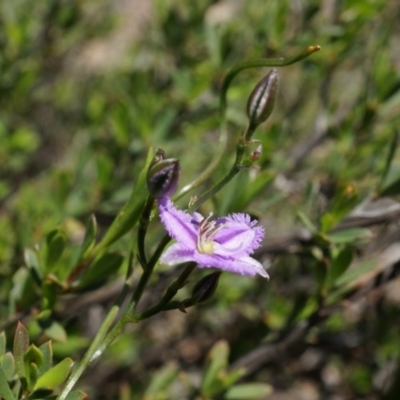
pixel 77 395
pixel 3 342
pixel 101 268
pixel 218 360
pixel 56 375
pixel 32 262
pixel 55 331
pixel 90 238
pixel 47 351
pixel 8 365
pixel 5 390
pixel 55 241
pixel 21 344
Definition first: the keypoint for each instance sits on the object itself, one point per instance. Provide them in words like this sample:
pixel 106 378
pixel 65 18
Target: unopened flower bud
pixel 163 177
pixel 205 287
pixel 262 99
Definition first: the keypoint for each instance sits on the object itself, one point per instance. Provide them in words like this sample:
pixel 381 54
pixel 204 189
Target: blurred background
pixel 87 87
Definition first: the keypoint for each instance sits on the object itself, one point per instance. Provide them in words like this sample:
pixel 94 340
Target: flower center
pixel 207 232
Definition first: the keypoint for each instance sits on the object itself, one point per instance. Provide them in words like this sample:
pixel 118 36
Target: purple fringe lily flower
pixel 224 243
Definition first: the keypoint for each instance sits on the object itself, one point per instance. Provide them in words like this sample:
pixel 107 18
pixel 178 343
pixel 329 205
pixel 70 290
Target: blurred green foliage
pixel 88 87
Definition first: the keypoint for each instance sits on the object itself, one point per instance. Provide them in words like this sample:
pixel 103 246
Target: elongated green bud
pixel 163 176
pixel 262 100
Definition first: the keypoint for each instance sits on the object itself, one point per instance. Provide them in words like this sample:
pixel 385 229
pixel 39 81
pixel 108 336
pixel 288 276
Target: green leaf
pixel 32 375
pixel 21 344
pixel 162 379
pixel 5 391
pixel 354 273
pixel 56 375
pixel 320 272
pixel 32 262
pixel 55 241
pixel 101 269
pixel 74 343
pixel 23 292
pixel 3 342
pixel 8 364
pixel 391 152
pixel 90 238
pixel 248 391
pixel 349 235
pixel 40 394
pixel 54 330
pixel 306 222
pixel 47 352
pixel 233 198
pixel 49 295
pixel 33 359
pixel 233 376
pixel 77 395
pixel 341 260
pixel 391 185
pixel 130 213
pixel 344 201
pixel 33 355
pixel 218 360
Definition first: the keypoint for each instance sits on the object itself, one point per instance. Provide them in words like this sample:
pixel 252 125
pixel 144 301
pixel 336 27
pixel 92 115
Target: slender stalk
pixel 128 318
pixel 82 365
pixel 92 353
pixel 168 296
pixel 142 230
pixel 223 136
pixel 222 143
pixel 265 62
pixel 236 167
pixel 148 271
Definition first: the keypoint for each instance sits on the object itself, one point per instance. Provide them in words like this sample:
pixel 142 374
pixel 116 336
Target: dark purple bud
pixel 205 287
pixel 262 99
pixel 163 177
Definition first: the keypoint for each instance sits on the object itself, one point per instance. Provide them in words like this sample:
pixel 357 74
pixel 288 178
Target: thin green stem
pixel 142 230
pixel 222 143
pixel 168 296
pixel 148 271
pixel 128 318
pixel 82 365
pixel 114 333
pixel 223 136
pixel 236 167
pixel 265 62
